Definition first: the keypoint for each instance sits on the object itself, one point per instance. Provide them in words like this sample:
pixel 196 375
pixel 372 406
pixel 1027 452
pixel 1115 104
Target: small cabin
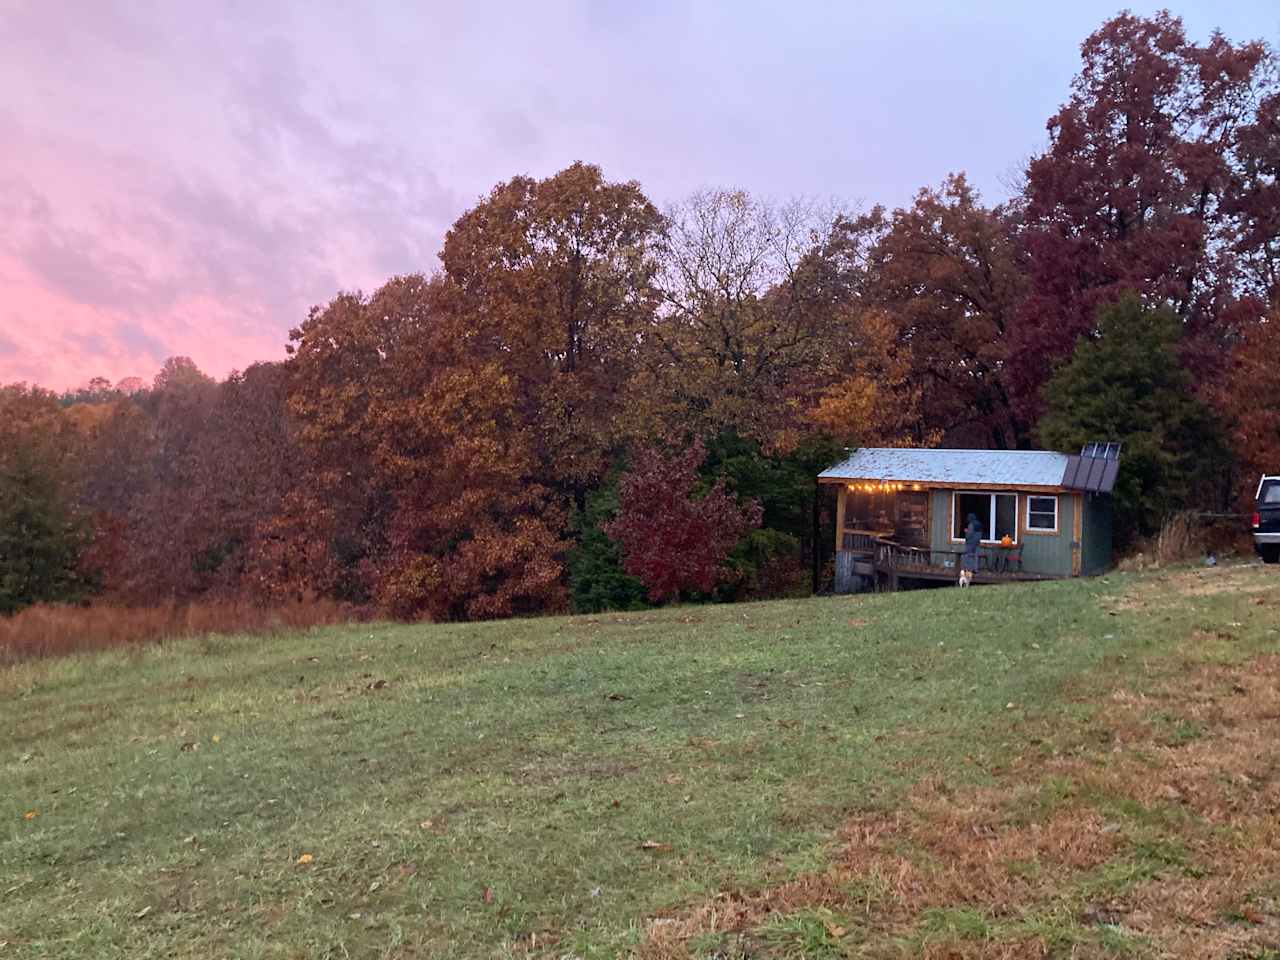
pixel 901 513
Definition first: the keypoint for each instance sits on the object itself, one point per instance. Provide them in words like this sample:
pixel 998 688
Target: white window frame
pixel 990 516
pixel 1027 513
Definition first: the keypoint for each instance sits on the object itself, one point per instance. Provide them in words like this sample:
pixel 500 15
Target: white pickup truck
pixel 1266 519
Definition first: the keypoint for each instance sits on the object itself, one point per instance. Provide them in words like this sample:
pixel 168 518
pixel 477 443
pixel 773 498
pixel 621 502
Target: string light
pixel 880 486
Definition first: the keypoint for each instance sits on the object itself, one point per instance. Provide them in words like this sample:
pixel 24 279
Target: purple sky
pixel 183 178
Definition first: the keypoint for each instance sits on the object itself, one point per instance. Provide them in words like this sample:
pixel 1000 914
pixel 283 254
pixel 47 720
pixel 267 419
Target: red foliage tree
pixel 1254 204
pixel 1134 191
pixel 673 540
pixel 143 459
pixel 1246 400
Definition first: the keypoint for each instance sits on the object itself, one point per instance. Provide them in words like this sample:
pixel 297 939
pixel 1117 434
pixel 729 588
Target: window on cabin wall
pixel 997 512
pixel 1042 514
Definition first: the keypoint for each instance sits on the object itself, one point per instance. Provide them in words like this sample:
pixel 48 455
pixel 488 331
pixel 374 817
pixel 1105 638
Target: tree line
pixel 592 403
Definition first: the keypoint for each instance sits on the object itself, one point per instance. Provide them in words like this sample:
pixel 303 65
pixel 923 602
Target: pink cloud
pixel 57 341
pixel 189 179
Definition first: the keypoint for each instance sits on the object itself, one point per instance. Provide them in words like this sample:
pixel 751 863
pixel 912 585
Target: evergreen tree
pixel 596 579
pixel 1127 383
pixel 40 538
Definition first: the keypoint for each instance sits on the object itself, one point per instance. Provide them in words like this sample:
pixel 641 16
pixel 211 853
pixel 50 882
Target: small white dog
pixel 966 577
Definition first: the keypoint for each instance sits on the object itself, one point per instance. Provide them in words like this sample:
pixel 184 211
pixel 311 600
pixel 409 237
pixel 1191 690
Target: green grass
pixel 466 790
pixel 810 934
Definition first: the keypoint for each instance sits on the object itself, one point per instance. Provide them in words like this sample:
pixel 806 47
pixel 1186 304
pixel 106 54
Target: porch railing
pixel 861 541
pixel 887 554
pixel 895 556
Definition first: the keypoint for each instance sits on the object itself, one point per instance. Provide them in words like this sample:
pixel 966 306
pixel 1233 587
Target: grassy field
pixel 1038 770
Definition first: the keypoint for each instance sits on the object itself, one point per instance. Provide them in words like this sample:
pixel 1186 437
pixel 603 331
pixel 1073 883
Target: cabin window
pixel 1042 514
pixel 997 512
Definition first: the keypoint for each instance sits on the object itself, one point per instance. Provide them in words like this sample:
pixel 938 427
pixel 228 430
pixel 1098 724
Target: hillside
pixel 1069 768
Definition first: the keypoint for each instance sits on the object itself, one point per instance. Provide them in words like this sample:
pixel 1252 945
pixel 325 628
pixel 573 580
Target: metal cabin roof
pixel 1008 468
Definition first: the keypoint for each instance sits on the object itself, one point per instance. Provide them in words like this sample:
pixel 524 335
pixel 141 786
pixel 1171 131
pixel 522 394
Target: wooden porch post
pixel 816 539
pixel 1077 533
pixel 840 498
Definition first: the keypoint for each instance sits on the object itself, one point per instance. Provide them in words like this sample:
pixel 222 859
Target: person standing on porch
pixel 972 542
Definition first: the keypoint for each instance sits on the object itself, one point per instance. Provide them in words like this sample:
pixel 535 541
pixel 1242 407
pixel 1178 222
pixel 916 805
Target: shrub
pixel 672 539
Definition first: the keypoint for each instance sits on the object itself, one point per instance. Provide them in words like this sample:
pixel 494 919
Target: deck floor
pixel 865 564
pixel 951 573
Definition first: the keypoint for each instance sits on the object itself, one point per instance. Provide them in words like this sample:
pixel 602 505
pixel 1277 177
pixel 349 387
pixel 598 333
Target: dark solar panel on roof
pixel 1094 470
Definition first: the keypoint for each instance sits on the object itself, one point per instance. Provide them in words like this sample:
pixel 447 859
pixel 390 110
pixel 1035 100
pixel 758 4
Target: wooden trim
pixel 1024 530
pixel 1077 531
pixel 840 498
pixel 1057 516
pixel 926 485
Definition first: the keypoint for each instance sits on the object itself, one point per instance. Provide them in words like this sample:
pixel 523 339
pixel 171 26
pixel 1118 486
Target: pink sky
pixel 187 179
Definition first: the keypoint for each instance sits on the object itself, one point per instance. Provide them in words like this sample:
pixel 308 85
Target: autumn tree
pixel 141 457
pixel 1135 192
pixel 117 477
pixel 422 489
pixel 168 522
pixel 864 391
pixel 1127 384
pixel 675 539
pixel 96 391
pixel 1247 401
pixel 244 468
pixel 743 324
pixel 1253 204
pixel 550 282
pixel 945 274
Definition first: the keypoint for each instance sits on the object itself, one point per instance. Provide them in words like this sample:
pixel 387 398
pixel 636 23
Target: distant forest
pixel 592 403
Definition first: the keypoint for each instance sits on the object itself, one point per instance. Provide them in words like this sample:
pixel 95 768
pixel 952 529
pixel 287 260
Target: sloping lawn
pixel 551 786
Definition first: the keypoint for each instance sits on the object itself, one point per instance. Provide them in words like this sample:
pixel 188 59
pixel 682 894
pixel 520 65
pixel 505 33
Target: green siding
pixel 1049 554
pixel 1097 533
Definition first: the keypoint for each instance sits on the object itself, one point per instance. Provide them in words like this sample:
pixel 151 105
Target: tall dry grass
pixel 52 630
pixel 1180 539
pixel 1188 536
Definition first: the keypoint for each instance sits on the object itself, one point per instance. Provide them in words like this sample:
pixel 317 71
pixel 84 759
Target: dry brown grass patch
pixel 52 630
pixel 1165 829
pixel 666 937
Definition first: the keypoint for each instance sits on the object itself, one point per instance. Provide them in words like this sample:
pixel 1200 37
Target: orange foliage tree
pixel 549 282
pixel 421 493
